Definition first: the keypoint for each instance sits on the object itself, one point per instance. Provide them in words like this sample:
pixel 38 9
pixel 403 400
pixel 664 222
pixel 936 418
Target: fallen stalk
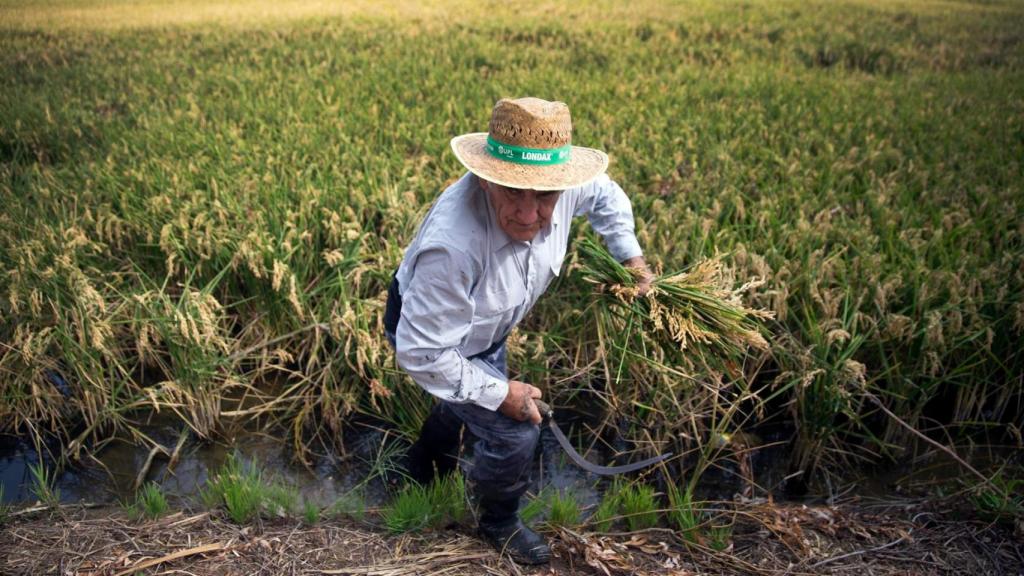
pixel 938 445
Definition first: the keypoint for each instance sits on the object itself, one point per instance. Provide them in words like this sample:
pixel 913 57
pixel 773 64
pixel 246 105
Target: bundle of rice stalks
pixel 697 308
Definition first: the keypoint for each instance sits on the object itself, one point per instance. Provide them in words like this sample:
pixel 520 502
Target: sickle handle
pixel 545 410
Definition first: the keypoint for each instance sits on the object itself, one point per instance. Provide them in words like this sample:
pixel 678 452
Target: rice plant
pixel 159 251
pixel 699 308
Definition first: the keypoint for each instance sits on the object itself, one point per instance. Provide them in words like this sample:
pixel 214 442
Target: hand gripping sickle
pixel 549 417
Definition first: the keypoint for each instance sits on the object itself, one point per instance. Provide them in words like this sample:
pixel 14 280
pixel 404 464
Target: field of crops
pixel 204 203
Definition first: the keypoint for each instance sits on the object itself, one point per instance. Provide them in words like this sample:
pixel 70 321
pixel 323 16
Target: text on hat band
pixel 522 155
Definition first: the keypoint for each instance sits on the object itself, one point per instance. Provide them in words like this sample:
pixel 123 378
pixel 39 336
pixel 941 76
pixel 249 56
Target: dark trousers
pixel 503 449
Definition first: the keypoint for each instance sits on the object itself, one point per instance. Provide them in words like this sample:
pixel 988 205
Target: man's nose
pixel 527 209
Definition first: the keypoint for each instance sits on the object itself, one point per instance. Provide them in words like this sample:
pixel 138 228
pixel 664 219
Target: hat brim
pixel 584 165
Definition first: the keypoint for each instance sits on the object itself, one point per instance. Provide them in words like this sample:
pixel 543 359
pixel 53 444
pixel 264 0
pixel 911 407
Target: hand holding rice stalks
pixel 697 308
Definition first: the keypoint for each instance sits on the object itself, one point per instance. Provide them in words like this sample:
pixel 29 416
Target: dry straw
pixel 531 124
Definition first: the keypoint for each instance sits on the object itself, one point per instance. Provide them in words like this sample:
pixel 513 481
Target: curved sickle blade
pixel 590 466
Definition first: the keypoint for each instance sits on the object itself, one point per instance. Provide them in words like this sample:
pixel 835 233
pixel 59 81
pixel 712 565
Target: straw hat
pixel 528 145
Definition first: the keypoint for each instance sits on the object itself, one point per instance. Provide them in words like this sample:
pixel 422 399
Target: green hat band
pixel 521 155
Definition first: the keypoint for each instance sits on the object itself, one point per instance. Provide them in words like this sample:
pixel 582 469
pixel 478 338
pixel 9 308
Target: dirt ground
pixel 864 538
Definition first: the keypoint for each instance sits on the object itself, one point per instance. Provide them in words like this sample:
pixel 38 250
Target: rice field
pixel 203 204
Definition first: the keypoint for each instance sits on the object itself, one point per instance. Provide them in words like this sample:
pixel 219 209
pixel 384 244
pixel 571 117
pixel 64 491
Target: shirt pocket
pixel 493 314
pixel 554 268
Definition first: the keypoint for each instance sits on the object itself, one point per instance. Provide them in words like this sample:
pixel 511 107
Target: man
pixel 483 255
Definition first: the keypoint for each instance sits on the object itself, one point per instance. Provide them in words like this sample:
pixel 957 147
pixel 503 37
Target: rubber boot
pixel 501 527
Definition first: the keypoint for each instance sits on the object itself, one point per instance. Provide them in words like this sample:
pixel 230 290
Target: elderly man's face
pixel 521 213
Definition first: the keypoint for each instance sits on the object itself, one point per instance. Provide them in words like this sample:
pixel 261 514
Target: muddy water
pixel 110 476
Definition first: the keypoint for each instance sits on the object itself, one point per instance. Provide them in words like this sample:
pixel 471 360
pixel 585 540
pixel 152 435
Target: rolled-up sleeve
pixel 437 313
pixel 611 215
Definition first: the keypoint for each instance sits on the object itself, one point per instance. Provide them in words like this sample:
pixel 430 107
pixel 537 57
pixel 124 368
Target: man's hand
pixel 518 404
pixel 644 277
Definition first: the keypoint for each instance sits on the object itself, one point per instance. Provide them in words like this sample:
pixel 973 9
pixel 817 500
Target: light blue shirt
pixel 465 283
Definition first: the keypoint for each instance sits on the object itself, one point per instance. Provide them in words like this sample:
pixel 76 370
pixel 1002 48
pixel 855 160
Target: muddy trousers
pixel 503 448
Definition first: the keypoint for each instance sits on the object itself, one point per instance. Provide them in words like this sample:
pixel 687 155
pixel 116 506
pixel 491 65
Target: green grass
pixel 149 502
pixel 558 508
pixel 310 512
pixel 5 508
pixel 352 505
pixel 607 512
pixel 43 485
pixel 417 507
pixel 238 489
pixel 635 504
pixel 682 513
pixel 386 462
pixel 282 499
pixel 563 510
pixel 245 493
pixel 638 506
pixel 720 537
pixel 535 506
pixel 1003 500
pixel 180 186
pixel 412 509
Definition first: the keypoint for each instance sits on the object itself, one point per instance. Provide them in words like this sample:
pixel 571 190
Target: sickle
pixel 549 415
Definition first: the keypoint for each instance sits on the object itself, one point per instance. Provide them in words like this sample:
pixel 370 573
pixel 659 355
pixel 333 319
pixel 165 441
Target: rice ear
pixel 699 308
